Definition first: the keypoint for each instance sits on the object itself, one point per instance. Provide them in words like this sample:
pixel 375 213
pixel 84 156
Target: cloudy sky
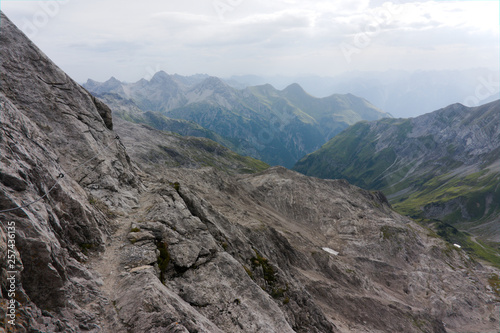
pixel 133 39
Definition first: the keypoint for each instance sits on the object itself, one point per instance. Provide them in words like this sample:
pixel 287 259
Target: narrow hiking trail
pixel 109 265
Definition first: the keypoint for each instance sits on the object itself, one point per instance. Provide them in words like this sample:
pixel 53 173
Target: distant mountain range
pixel 443 165
pixel 401 93
pixel 276 126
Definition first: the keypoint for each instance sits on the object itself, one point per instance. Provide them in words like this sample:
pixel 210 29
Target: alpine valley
pixel 277 127
pixel 112 226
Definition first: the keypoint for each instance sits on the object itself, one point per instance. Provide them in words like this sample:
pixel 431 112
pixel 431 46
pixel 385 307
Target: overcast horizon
pixel 132 40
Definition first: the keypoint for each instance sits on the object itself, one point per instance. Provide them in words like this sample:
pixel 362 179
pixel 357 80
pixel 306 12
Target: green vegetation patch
pixel 272 286
pixel 86 247
pixel 251 165
pixel 176 186
pixel 349 155
pixel 249 272
pixel 267 269
pixel 477 249
pixel 471 190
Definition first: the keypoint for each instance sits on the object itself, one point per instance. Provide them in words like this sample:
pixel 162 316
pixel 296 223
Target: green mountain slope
pixel 443 165
pixel 278 141
pixel 275 126
pixel 127 110
pixel 160 143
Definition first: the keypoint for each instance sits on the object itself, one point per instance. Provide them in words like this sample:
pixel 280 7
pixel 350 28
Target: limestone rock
pixel 144 304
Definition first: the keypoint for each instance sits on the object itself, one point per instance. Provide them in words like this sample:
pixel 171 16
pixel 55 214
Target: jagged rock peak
pixel 113 80
pixel 92 83
pixel 161 77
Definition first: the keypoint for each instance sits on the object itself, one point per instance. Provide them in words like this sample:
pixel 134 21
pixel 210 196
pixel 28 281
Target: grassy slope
pixel 472 189
pixel 156 147
pixel 179 126
pixel 203 147
pixel 350 156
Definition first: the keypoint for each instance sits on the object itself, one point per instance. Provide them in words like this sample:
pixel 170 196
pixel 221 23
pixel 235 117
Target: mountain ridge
pixel 420 162
pixel 401 93
pixel 275 126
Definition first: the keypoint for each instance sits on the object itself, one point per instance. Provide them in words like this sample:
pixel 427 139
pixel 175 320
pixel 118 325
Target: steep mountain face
pixel 332 257
pixel 442 165
pixel 53 128
pixel 125 243
pixel 275 126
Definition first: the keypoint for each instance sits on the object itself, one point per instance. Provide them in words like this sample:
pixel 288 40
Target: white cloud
pixel 103 38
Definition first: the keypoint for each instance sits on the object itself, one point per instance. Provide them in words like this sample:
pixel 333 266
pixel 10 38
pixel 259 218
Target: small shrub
pixel 249 272
pixel 269 273
pixel 278 292
pixel 176 186
pixel 163 259
pixel 85 247
pixel 271 286
pixel 494 281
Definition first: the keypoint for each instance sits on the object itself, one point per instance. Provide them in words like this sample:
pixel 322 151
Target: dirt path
pixel 108 265
pixel 474 239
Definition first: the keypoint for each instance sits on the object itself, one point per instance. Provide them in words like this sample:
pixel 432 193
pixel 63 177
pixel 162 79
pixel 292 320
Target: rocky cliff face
pixel 114 247
pixel 52 127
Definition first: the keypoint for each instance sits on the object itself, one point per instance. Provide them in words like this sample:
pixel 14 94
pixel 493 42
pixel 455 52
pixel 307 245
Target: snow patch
pixel 327 249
